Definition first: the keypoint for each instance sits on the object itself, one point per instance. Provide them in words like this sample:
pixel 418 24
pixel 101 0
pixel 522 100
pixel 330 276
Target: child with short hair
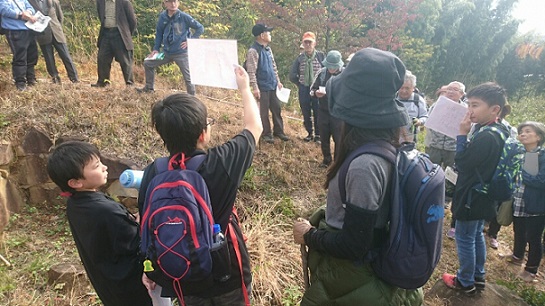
pixel 478 156
pixel 183 124
pixel 105 233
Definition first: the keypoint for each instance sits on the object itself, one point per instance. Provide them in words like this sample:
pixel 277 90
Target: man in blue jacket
pixel 15 14
pixel 172 33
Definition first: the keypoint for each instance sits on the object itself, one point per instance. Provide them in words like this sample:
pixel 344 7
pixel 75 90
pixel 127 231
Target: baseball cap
pixel 260 28
pixel 309 36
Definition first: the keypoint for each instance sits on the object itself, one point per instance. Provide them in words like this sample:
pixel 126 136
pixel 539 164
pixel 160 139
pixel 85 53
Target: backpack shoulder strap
pixel 320 56
pixel 380 148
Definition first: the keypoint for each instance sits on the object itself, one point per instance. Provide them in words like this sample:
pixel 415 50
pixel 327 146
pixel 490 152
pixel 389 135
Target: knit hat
pixel 333 60
pixel 364 95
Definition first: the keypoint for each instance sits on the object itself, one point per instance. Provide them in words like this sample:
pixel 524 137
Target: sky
pixel 532 12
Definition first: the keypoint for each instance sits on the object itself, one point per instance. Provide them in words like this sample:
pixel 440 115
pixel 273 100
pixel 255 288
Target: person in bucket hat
pixel 363 97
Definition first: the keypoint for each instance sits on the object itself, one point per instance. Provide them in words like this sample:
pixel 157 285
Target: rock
pixel 116 190
pixel 6 153
pixel 11 199
pixel 116 166
pixel 47 193
pixel 66 276
pixel 34 142
pixel 493 295
pixel 31 170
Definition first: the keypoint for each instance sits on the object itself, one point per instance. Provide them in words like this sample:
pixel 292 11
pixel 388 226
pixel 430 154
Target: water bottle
pixel 131 178
pixel 221 261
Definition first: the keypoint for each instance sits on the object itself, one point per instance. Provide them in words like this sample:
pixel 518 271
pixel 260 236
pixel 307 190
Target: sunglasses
pixel 210 121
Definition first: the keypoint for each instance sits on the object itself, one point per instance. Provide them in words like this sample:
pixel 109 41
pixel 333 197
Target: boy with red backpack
pixel 181 121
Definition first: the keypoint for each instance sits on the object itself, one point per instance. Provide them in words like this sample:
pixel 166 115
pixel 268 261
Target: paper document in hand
pixel 211 62
pixel 156 56
pixel 446 116
pixel 283 94
pixel 531 163
pixel 40 24
pixel 451 175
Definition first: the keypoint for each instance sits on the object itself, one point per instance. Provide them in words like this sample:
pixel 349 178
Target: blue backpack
pixel 503 183
pixel 413 249
pixel 177 225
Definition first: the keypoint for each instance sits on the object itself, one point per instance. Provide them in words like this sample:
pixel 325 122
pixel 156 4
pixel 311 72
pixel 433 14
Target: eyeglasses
pixel 210 121
pixel 454 90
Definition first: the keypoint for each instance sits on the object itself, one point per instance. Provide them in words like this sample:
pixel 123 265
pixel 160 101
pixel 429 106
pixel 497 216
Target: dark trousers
pixel 25 55
pixel 329 126
pixel 112 46
pixel 528 230
pixel 269 101
pixel 309 108
pixel 493 228
pixel 64 54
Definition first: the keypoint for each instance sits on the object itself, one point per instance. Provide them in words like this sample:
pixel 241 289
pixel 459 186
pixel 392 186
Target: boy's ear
pixel 201 136
pixel 75 183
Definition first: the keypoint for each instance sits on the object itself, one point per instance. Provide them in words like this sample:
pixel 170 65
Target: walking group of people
pixel 372 99
pixel 118 22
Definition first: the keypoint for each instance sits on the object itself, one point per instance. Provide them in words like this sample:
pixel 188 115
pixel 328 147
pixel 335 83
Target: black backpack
pixel 413 249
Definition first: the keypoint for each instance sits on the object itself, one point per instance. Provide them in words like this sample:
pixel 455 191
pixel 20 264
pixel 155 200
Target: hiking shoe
pixel 100 84
pixel 268 139
pixel 308 138
pixel 527 277
pixel 145 90
pixel 282 136
pixel 494 243
pixel 56 80
pixel 452 282
pixel 20 86
pixel 31 82
pixel 515 260
pixel 451 233
pixel 317 139
pixel 480 283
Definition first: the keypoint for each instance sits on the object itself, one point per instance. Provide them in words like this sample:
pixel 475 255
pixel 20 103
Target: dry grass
pixel 283 183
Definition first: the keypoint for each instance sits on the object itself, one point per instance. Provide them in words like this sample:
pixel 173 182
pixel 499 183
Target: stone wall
pixel 24 179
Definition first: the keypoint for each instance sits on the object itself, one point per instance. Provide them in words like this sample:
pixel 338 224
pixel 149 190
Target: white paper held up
pixel 283 94
pixel 446 116
pixel 211 62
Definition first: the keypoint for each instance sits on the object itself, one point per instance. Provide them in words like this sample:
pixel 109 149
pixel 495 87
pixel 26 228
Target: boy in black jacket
pixel 106 234
pixel 476 156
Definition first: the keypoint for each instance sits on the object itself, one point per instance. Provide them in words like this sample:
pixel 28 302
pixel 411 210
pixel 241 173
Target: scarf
pixel 309 68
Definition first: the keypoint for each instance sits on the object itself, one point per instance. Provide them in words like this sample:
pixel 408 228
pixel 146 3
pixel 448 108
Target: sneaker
pixel 515 260
pixel 317 139
pixel 528 277
pixel 452 282
pixel 451 233
pixel 480 283
pixel 308 138
pixel 282 136
pixel 494 243
pixel 268 139
pixel 31 82
pixel 145 90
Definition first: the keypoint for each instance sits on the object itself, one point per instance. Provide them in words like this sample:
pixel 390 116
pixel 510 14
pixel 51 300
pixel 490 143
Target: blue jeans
pixel 471 248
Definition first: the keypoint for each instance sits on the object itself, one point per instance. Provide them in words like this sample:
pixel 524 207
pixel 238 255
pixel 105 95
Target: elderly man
pixel 264 80
pixel 415 106
pixel 117 24
pixel 302 73
pixel 440 147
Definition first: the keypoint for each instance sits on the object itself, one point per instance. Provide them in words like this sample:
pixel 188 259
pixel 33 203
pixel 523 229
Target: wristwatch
pixel 20 16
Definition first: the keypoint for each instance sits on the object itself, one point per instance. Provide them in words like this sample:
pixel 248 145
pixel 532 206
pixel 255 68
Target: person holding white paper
pixel 329 126
pixel 15 13
pixel 173 30
pixel 529 204
pixel 264 80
